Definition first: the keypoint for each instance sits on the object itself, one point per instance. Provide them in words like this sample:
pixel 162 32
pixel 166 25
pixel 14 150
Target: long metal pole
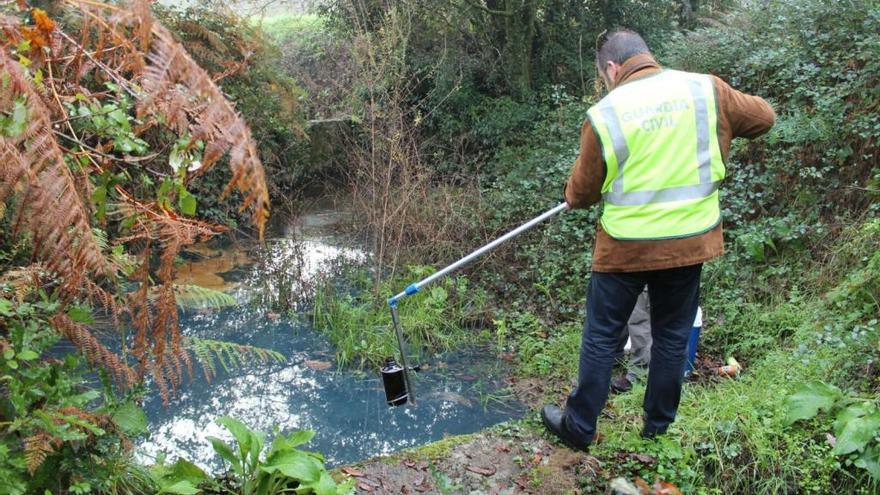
pixel 417 286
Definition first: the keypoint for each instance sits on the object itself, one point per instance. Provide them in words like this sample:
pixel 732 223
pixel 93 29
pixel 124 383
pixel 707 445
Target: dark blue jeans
pixel 674 294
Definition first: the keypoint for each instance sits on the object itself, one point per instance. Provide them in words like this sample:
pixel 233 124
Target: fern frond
pixel 197 297
pixel 174 83
pixel 48 206
pixel 37 448
pixel 23 280
pixel 230 355
pixel 95 353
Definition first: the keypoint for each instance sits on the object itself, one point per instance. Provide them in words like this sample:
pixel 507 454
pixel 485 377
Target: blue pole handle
pixel 416 286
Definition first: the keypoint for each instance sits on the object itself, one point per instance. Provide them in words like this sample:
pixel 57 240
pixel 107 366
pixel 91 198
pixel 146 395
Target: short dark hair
pixel 619 45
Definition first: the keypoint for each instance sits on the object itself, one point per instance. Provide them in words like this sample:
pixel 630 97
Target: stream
pixel 460 392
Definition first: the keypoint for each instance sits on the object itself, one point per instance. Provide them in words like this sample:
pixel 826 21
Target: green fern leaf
pixel 231 356
pixel 196 297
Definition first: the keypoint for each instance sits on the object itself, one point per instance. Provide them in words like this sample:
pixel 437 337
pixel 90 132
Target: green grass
pixel 731 435
pixel 435 319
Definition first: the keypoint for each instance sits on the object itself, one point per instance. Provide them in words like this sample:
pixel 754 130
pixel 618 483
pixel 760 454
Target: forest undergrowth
pixel 461 121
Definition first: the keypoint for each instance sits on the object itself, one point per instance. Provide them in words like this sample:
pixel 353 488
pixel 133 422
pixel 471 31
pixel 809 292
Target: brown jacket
pixel 739 115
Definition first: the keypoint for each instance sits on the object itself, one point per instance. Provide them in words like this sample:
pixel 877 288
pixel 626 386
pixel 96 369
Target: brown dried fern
pixel 174 83
pixel 51 205
pixel 37 448
pixel 48 206
pixel 94 351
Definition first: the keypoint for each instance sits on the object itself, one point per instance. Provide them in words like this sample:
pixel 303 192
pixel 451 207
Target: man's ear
pixel 611 71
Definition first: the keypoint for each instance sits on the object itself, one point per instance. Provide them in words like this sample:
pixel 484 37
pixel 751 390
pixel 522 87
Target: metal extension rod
pixel 417 286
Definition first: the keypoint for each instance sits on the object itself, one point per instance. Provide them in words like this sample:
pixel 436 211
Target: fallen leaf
pixel 424 485
pixel 364 487
pixel 317 365
pixel 503 448
pixel 423 465
pixel 644 458
pixel 489 471
pixel 353 472
pixel 664 488
pixel 409 464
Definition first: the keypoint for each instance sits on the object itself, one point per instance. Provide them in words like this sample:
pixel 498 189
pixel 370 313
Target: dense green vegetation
pixel 795 299
pixel 453 121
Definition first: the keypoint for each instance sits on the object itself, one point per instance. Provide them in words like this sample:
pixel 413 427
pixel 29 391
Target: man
pixel 638 333
pixel 653 151
pixel 637 357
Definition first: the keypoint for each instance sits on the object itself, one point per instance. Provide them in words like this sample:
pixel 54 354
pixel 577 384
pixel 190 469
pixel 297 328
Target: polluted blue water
pixel 456 393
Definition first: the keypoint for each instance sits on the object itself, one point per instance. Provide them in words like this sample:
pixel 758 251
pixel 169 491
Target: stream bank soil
pixel 507 459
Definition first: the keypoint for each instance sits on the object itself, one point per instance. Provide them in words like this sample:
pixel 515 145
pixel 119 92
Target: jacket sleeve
pixel 748 116
pixel 584 185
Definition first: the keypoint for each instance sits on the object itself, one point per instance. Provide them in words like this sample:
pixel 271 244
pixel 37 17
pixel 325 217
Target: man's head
pixel 614 49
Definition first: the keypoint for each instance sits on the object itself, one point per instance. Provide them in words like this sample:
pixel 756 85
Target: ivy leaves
pixel 16 121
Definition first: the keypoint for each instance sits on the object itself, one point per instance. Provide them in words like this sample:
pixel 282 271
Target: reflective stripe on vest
pixel 664 165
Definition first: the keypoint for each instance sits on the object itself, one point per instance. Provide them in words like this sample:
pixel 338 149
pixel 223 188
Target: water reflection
pixel 347 409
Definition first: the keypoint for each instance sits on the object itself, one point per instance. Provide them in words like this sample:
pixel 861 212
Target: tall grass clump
pixel 444 316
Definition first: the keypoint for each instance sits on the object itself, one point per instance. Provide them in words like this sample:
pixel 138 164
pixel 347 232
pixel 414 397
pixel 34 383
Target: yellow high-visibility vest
pixel 659 138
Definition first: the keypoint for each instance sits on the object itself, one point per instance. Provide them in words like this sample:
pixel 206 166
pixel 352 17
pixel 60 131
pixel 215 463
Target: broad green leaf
pixel 8 354
pixel 809 400
pixel 325 485
pixel 241 433
pixel 80 314
pixel 296 465
pixel 301 437
pixel 869 460
pixel 180 488
pixel 857 433
pixel 187 202
pixel 6 307
pixel 18 123
pixel 852 412
pixel 186 471
pixel 225 451
pixel 257 441
pixel 130 419
pixel 27 355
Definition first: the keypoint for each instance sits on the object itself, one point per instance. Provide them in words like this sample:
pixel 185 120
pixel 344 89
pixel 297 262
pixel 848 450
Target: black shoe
pixel 652 433
pixel 621 384
pixel 553 418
